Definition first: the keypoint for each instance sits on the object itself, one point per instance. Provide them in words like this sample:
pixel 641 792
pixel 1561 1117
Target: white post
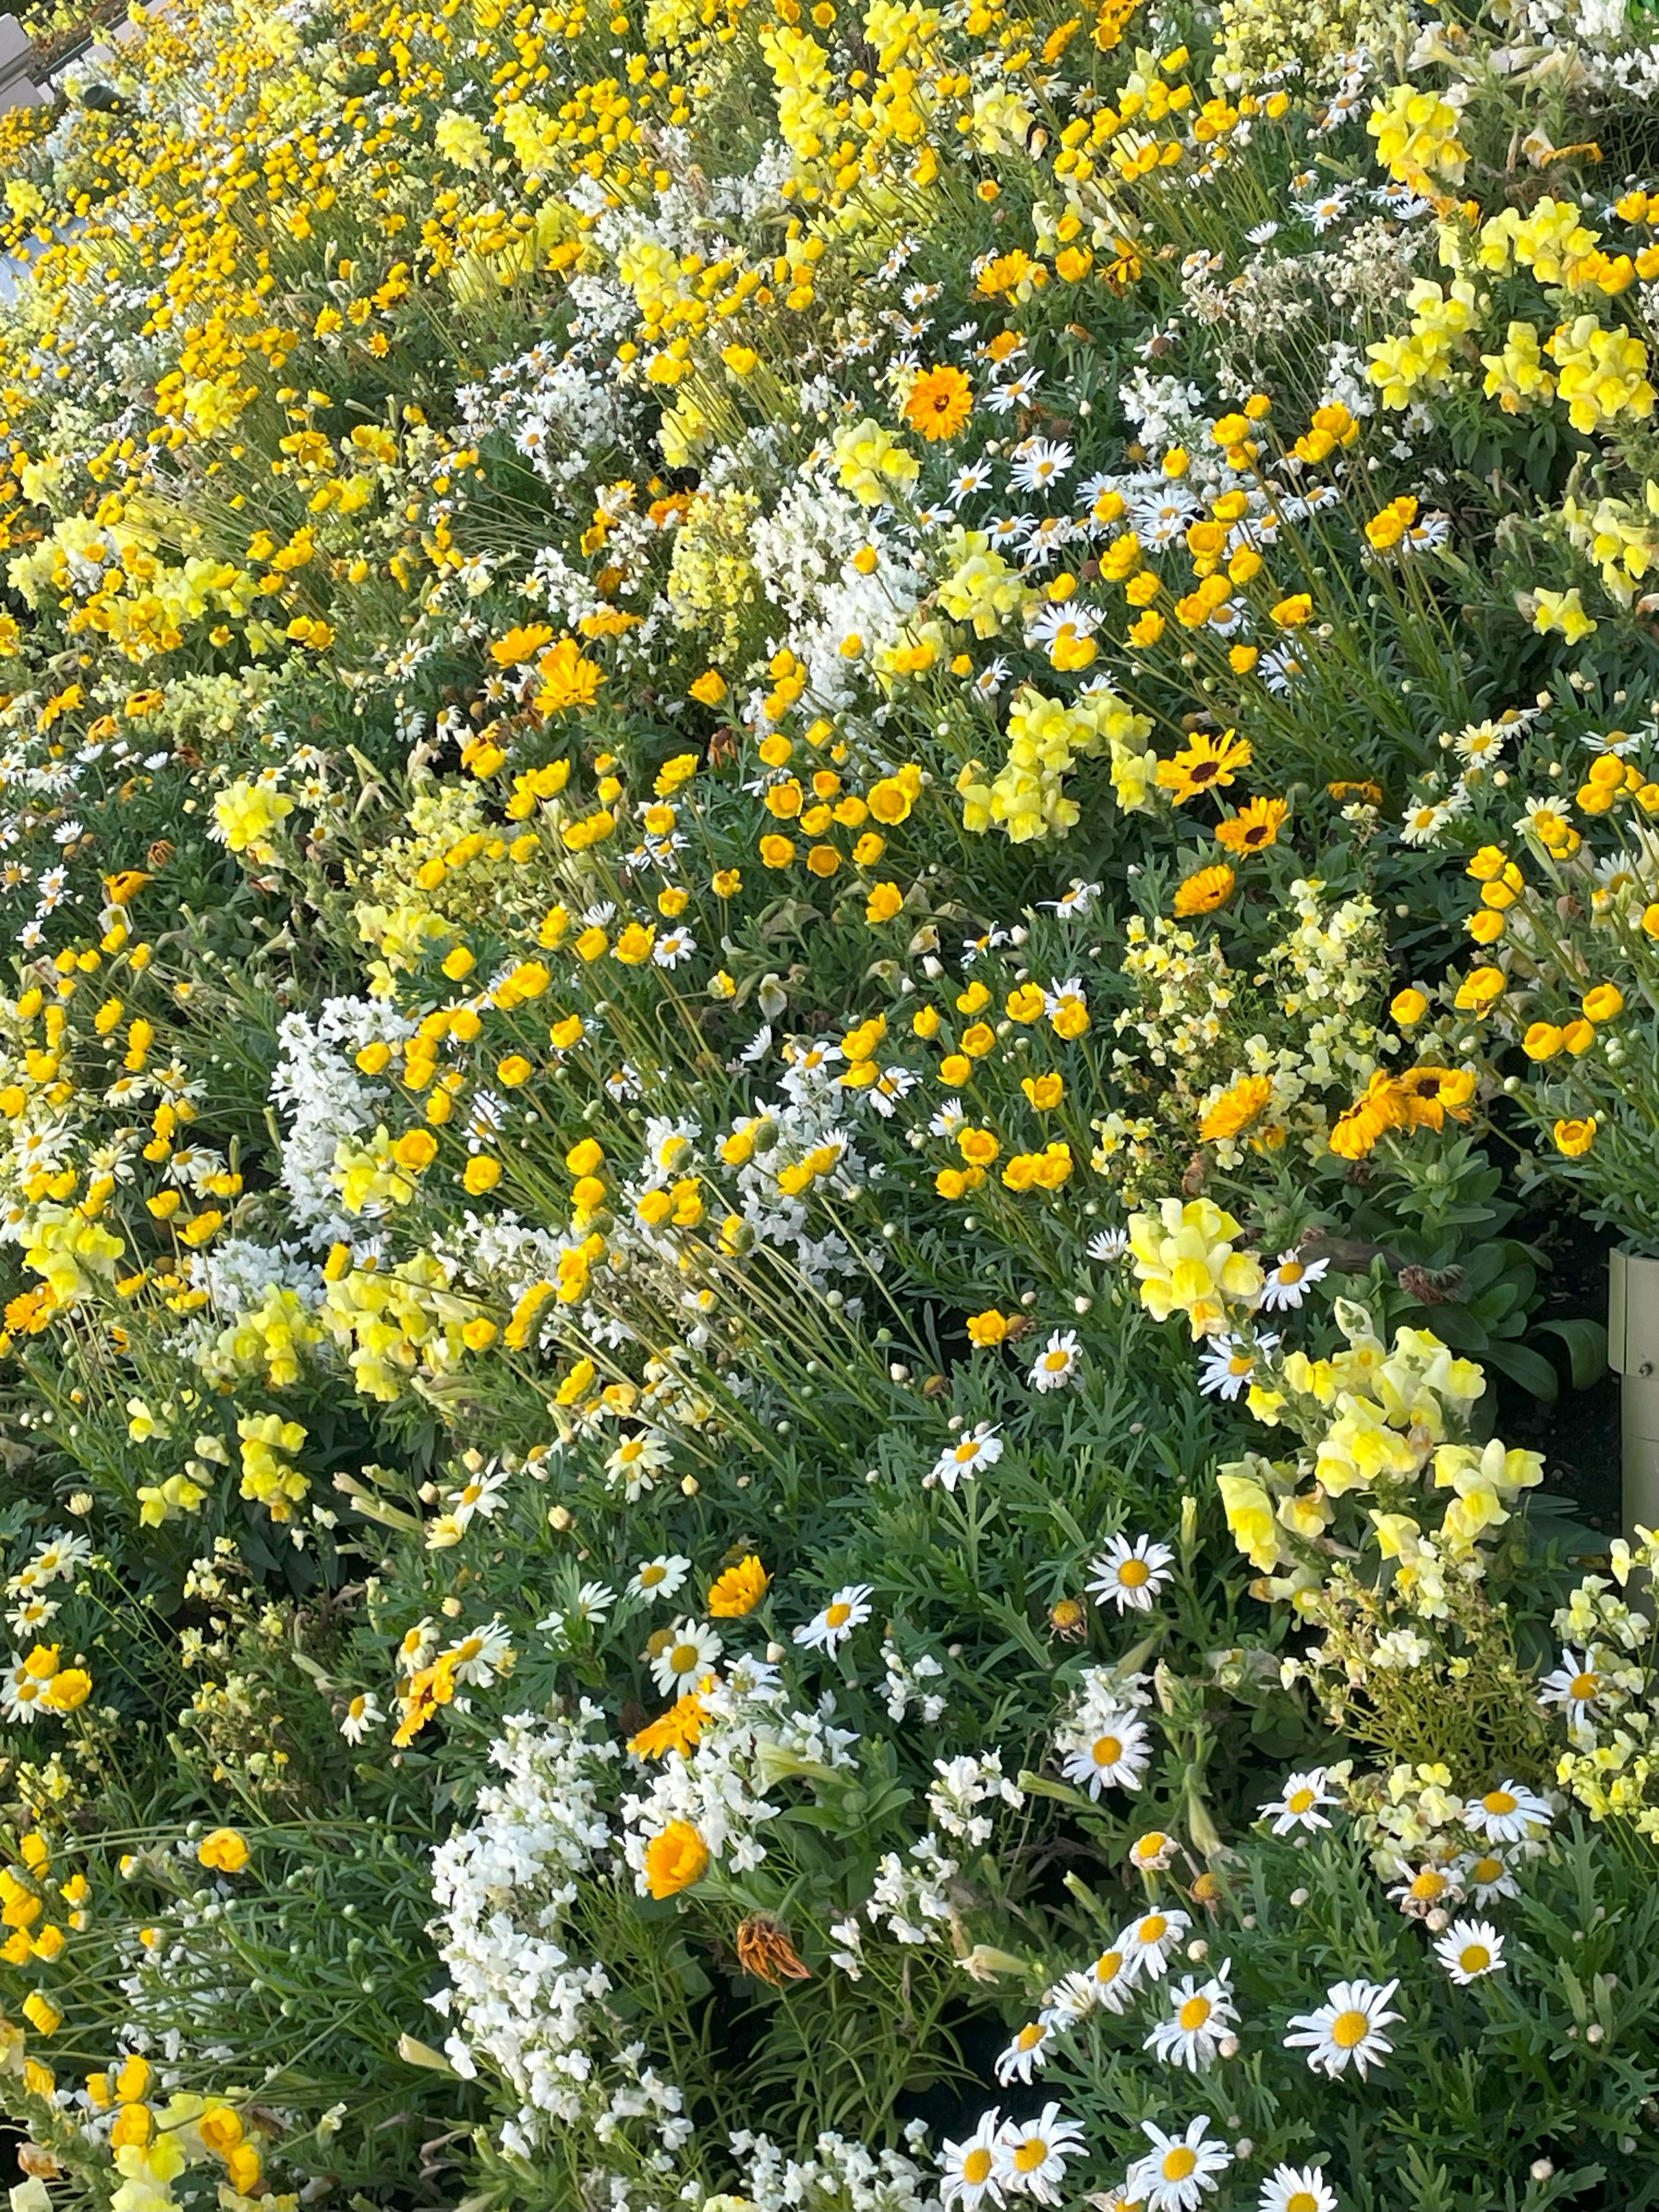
pixel 1633 1355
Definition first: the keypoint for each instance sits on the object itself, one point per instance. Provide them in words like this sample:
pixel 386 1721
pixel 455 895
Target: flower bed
pixel 830 846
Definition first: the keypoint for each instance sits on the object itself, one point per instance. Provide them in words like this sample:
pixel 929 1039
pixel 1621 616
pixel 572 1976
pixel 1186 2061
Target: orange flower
pixel 568 678
pixel 940 403
pixel 765 1952
pixel 676 1729
pixel 739 1590
pixel 675 1859
pixel 1204 892
pixel 1207 762
pixel 1255 827
pixel 1236 1108
pixel 520 644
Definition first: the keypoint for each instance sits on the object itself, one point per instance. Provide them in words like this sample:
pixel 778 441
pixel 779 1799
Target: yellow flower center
pixel 683 1657
pixel 1031 2154
pixel 1500 1800
pixel 1301 2200
pixel 1193 2013
pixel 1108 1965
pixel 1474 1958
pixel 1240 1364
pixel 1056 1361
pixel 1428 1886
pixel 650 1577
pixel 1302 1801
pixel 976 2166
pixel 1178 2163
pixel 1028 2038
pixel 839 1615
pixel 1349 2028
pixel 1584 1688
pixel 1133 1574
pixel 1292 1270
pixel 966 1451
pixel 1108 1750
pixel 1153 1928
pixel 1485 1870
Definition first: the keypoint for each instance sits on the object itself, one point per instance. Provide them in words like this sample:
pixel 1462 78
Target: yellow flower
pixel 224 1849
pixel 675 1859
pixel 569 679
pixel 739 1590
pixel 1205 891
pixel 1575 1139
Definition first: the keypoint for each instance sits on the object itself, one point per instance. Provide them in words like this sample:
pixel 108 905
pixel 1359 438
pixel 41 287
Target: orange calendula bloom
pixel 940 402
pixel 520 644
pixel 1255 827
pixel 1236 1108
pixel 569 679
pixel 1204 892
pixel 675 1859
pixel 677 1729
pixel 739 1590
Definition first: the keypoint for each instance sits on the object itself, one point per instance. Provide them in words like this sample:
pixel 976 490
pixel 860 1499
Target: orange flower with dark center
pixel 940 402
pixel 1207 762
pixel 765 1952
pixel 1205 891
pixel 1255 827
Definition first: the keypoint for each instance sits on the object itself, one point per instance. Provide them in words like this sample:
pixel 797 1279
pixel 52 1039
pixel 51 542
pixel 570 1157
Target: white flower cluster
pixel 520 2002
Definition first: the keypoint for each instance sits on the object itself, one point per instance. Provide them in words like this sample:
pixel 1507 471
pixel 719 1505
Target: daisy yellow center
pixel 1030 2155
pixel 1428 1886
pixel 1584 1686
pixel 1179 2162
pixel 1028 2038
pixel 1350 2029
pixel 1193 2013
pixel 1292 1270
pixel 1154 1928
pixel 1485 1870
pixel 1134 1574
pixel 1302 1801
pixel 976 2166
pixel 1240 1364
pixel 964 1452
pixel 630 1448
pixel 683 1657
pixel 1474 1958
pixel 1109 1749
pixel 1500 1800
pixel 1056 1361
pixel 1108 1965
pixel 650 1577
pixel 1150 1846
pixel 839 1615
pixel 1301 2200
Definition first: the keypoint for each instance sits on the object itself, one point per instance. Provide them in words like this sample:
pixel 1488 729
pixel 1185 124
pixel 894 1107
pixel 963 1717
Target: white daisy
pixel 1227 1365
pixel 1575 1686
pixel 362 1714
pixel 1297 2189
pixel 659 1577
pixel 1298 1803
pixel 1288 1284
pixel 1468 1949
pixel 1486 1876
pixel 1347 2029
pixel 1130 1574
pixel 981 1448
pixel 829 1630
pixel 1108 1750
pixel 1037 2150
pixel 1200 2014
pixel 1108 1984
pixel 635 1464
pixel 1028 2050
pixel 1058 1363
pixel 1109 1245
pixel 974 2172
pixel 685 1651
pixel 1507 1814
pixel 1179 2171
pixel 1147 1942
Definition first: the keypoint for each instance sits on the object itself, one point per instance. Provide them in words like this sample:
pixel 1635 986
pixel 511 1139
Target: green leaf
pixel 1529 1368
pixel 1587 1348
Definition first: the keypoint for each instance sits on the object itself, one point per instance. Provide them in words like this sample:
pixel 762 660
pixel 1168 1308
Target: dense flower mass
pixel 830 852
